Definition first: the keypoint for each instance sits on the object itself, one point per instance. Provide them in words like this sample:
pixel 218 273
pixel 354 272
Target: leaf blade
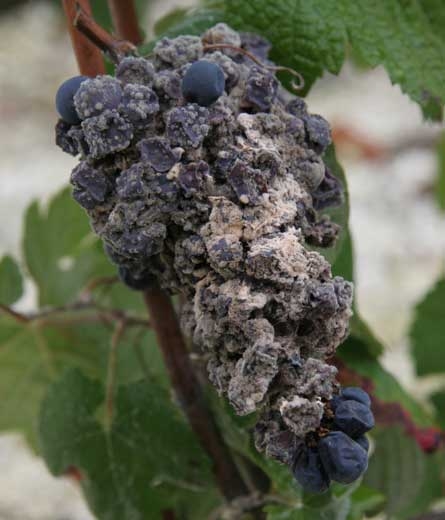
pixel 11 281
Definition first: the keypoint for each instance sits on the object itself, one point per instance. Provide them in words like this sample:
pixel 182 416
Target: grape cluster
pixel 202 175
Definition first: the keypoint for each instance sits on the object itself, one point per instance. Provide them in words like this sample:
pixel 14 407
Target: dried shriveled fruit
pixel 343 459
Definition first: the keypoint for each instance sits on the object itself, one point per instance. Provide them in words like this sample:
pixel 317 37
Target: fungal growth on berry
pixel 202 175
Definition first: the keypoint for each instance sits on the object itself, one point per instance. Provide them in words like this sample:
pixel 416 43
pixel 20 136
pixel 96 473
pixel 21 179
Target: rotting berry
pixel 363 441
pixel 343 459
pixel 203 83
pixel 65 99
pixel 353 418
pixel 94 96
pixel 352 393
pixel 309 471
pixel 355 393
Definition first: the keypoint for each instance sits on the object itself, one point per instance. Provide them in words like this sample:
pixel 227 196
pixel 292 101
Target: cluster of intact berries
pixel 203 175
pixel 339 450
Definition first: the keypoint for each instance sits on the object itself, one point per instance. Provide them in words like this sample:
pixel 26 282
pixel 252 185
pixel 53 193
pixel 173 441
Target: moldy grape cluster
pixel 203 175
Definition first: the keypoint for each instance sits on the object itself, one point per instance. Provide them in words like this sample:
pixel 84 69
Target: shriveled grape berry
pixel 355 393
pixel 351 393
pixel 309 471
pixel 353 418
pixel 343 459
pixel 363 441
pixel 65 99
pixel 203 83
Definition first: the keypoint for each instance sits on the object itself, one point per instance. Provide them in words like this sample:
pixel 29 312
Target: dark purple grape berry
pixel 107 133
pixel 329 193
pixel 242 179
pixel 91 186
pixel 157 153
pixel 192 177
pixel 353 418
pixel 354 393
pixel 335 401
pixel 187 126
pixel 343 459
pixel 297 107
pixel 65 99
pixel 138 104
pixel 261 90
pixel 135 70
pixel 130 183
pixel 363 441
pixel 137 282
pixel 318 133
pixel 351 393
pixel 97 95
pixel 203 83
pixel 309 471
pixel 63 138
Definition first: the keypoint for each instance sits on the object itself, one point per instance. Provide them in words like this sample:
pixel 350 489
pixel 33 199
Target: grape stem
pixel 125 22
pixel 272 68
pixel 189 393
pixel 115 48
pixel 88 56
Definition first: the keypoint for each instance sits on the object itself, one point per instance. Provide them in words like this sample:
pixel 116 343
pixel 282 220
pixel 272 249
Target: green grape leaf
pixel 33 355
pixel 440 176
pixel 172 19
pixel 365 501
pixel 369 343
pixel 335 504
pixel 11 282
pixel 435 14
pixel 398 35
pixel 428 331
pixel 182 21
pixel 134 463
pixel 311 37
pixel 438 401
pixel 344 262
pixel 60 250
pixel 408 478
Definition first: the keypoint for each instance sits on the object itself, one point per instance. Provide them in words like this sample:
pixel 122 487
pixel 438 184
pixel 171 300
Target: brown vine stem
pixel 116 49
pixel 187 388
pixel 88 56
pixel 124 16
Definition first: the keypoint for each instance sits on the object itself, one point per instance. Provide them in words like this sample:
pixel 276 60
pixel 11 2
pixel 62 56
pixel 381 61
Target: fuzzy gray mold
pixel 220 204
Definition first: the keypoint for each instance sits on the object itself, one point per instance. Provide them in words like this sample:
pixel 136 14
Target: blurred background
pixel 392 164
